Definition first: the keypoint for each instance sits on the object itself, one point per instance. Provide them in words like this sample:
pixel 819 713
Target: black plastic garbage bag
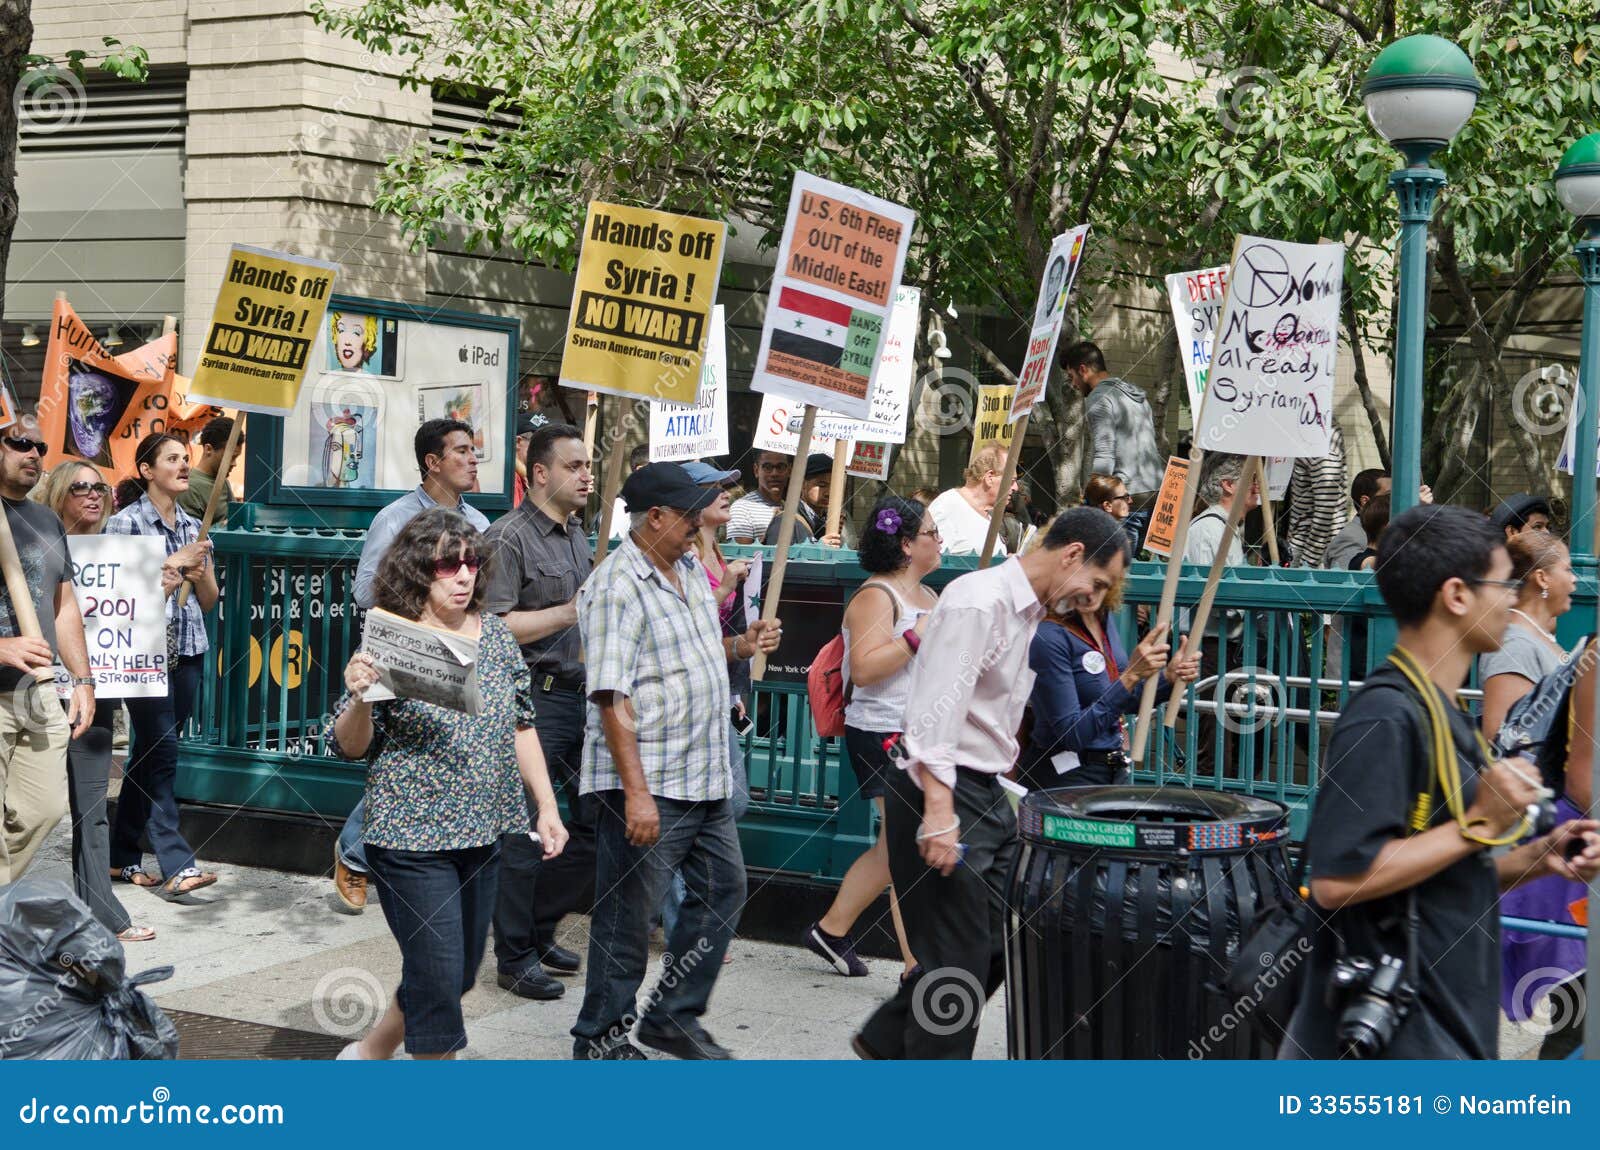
pixel 63 990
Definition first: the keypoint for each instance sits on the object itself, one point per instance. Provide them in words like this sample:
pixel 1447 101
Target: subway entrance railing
pixel 287 623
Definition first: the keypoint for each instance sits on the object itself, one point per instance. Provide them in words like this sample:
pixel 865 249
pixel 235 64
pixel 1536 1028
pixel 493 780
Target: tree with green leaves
pixel 1284 148
pixel 1000 125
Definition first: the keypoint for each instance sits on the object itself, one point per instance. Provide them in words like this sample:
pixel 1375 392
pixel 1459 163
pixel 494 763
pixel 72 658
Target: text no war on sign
pixel 641 304
pixel 840 261
pixel 268 314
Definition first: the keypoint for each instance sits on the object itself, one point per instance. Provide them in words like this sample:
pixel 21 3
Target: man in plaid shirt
pixel 656 759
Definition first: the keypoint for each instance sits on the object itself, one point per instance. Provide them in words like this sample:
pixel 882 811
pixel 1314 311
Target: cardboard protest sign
pixel 684 431
pixel 1196 299
pixel 1060 271
pixel 267 319
pixel 778 427
pixel 993 421
pixel 118 582
pixel 94 406
pixel 416 661
pixel 1270 391
pixel 839 263
pixel 1159 538
pixel 641 304
pixel 868 460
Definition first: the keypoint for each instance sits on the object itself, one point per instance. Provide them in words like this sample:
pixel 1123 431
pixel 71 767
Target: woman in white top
pixel 882 630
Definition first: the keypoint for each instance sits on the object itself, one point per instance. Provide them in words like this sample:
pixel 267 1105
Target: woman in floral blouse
pixel 442 787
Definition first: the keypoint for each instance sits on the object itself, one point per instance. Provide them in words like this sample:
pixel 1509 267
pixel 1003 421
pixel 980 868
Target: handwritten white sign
pixel 1060 270
pixel 118 582
pixel 680 432
pixel 1270 390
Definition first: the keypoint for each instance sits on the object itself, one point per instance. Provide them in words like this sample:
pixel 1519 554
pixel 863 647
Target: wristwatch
pixel 84 681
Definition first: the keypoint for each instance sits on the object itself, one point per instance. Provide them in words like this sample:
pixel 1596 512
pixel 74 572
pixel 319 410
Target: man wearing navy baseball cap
pixel 656 761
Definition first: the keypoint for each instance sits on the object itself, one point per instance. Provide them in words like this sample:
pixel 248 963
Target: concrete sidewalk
pixel 268 947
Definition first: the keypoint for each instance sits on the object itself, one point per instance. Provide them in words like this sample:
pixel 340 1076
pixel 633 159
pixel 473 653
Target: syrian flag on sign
pixel 815 329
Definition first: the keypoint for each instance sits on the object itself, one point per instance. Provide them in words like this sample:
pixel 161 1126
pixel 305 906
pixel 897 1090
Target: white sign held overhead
pixel 1270 388
pixel 838 265
pixel 1196 304
pixel 680 432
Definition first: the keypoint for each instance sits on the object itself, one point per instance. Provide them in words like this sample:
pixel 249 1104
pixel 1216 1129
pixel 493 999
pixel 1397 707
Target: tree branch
pixel 1104 161
pixel 1334 8
pixel 1363 383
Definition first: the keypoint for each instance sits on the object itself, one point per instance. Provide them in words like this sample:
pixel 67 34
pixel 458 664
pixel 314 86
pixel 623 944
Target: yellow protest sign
pixel 641 306
pixel 267 319
pixel 993 420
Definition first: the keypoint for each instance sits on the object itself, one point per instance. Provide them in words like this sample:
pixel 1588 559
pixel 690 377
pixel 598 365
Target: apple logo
pixel 462 354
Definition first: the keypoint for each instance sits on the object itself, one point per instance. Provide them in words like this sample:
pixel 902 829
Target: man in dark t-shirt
pixel 1444 573
pixel 34 731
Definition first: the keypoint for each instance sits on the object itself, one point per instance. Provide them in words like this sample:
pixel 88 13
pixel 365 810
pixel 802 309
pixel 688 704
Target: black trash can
pixel 1124 912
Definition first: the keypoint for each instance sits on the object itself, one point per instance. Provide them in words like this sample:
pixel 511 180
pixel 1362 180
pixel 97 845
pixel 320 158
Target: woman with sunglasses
pixel 882 632
pixel 148 803
pixel 442 787
pixel 81 498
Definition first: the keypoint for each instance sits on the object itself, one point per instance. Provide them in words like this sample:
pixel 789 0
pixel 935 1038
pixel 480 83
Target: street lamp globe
pixel 1419 92
pixel 1578 178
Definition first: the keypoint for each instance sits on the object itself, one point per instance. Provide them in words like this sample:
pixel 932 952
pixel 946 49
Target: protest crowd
pixel 613 644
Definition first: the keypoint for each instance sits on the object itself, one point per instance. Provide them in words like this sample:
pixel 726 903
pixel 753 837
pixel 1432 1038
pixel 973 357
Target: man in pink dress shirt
pixel 951 833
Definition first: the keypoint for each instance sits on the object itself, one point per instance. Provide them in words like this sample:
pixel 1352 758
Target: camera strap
pixel 1443 763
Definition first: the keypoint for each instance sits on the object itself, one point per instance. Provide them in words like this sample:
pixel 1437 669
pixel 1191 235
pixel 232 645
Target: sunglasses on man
pixel 24 445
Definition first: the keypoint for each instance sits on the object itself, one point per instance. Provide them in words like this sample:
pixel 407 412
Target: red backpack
pixel 826 689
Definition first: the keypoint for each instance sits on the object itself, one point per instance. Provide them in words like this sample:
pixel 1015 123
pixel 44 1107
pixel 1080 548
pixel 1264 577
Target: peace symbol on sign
pixel 1262 276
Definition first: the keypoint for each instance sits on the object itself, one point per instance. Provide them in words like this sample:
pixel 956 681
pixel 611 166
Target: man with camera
pixel 1406 874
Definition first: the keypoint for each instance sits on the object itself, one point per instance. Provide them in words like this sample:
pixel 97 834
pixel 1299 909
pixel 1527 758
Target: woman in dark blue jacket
pixel 1086 683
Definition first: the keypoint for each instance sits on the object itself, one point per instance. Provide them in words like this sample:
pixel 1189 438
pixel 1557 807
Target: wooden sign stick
pixel 1253 468
pixel 1008 476
pixel 1269 517
pixel 591 422
pixel 1169 595
pixel 780 557
pixel 841 459
pixel 611 483
pixel 214 498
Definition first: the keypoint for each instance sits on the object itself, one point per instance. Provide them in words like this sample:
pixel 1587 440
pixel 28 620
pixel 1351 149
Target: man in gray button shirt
pixel 538 557
pixel 449 469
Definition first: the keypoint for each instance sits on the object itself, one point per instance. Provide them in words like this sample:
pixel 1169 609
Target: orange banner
pixel 95 406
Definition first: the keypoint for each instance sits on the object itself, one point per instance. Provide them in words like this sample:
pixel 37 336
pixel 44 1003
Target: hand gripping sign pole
pixel 1252 471
pixel 1008 476
pixel 1169 595
pixel 780 557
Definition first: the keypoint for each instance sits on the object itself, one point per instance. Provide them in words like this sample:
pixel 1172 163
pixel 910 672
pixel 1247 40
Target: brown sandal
pixel 135 875
pixel 187 881
pixel 136 934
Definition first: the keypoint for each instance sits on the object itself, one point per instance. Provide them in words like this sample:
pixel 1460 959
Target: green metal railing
pixel 287 622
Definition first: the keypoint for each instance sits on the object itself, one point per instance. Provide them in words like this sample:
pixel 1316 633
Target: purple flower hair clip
pixel 888 521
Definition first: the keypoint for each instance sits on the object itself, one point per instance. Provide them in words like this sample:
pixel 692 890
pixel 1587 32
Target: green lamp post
pixel 1418 94
pixel 1578 188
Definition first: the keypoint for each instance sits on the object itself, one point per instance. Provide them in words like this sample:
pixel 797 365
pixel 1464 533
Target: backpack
pixel 826 689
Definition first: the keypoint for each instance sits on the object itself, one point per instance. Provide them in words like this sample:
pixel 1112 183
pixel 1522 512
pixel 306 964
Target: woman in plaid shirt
pixel 149 802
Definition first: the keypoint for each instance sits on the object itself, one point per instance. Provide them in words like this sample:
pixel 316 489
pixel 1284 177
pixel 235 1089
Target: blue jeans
pixel 702 840
pixel 437 905
pixel 148 803
pixel 351 850
pixel 678 890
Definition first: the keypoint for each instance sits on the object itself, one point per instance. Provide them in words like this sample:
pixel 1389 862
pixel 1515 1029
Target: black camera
pixel 1372 999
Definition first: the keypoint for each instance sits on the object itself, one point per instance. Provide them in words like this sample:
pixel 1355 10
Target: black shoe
pixel 863 1051
pixel 531 983
pixel 559 960
pixel 589 1050
pixel 696 1047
